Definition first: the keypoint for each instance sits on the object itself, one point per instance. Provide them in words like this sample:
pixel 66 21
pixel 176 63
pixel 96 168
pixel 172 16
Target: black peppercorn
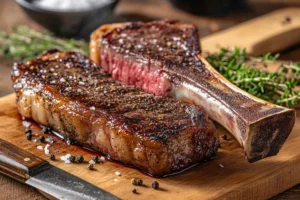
pixel 80 159
pixel 134 191
pixel 28 136
pixel 42 138
pixel 28 131
pixel 140 182
pixel 224 137
pixel 91 166
pixel 72 158
pixel 52 157
pixel 46 130
pixel 95 159
pixel 155 185
pixel 70 141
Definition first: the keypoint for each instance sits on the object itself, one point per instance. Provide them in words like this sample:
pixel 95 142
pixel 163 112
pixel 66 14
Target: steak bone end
pixel 168 61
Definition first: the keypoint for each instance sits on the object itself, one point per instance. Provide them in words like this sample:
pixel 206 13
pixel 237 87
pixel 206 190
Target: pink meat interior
pixel 143 74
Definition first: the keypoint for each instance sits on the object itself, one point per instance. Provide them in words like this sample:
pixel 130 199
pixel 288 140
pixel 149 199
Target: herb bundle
pixel 280 87
pixel 24 43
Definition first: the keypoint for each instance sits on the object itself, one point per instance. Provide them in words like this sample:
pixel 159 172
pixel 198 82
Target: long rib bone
pixel 259 126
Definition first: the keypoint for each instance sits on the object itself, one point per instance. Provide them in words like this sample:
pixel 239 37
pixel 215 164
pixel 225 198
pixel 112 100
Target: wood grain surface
pixel 131 10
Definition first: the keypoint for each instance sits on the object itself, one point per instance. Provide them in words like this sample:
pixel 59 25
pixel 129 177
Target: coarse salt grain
pixel 40 147
pixel 116 180
pixel 222 166
pixel 49 140
pixel 92 162
pixel 102 158
pixel 92 108
pixel 26 124
pixel 67 161
pixel 118 173
pixel 46 149
pixel 63 158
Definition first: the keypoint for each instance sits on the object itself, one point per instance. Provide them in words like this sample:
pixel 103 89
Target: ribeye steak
pixel 73 95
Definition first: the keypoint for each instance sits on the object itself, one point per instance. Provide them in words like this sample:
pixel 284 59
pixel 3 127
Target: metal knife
pixel 32 170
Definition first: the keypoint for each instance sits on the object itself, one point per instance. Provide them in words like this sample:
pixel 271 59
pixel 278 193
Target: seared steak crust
pixel 71 94
pixel 163 58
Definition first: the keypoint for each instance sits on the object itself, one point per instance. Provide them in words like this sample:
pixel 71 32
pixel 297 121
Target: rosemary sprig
pixel 280 87
pixel 24 43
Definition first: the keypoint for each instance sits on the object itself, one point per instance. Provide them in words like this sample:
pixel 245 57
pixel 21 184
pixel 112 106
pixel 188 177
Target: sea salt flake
pixel 92 108
pixel 92 162
pixel 67 161
pixel 26 124
pixel 49 140
pixel 102 158
pixel 47 152
pixel 40 147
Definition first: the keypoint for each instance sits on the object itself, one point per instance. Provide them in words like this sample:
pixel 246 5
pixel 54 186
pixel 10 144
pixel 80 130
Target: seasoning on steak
pixel 163 58
pixel 71 94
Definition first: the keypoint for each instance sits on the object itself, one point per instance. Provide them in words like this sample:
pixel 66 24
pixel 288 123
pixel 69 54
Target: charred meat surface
pixel 164 58
pixel 73 95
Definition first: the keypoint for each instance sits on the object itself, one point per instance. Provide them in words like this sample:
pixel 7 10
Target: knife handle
pixel 18 163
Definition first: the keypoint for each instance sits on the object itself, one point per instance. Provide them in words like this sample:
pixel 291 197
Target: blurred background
pixel 79 20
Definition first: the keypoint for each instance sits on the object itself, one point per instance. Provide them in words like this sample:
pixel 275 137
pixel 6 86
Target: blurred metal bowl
pixel 77 24
pixel 208 7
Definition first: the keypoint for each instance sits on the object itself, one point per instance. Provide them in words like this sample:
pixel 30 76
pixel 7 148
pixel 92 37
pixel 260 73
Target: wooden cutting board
pixel 228 176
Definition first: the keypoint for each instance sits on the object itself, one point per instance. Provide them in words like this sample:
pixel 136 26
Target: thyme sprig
pixel 280 86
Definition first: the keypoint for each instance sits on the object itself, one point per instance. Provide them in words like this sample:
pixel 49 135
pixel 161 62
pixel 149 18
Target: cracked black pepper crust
pixel 77 78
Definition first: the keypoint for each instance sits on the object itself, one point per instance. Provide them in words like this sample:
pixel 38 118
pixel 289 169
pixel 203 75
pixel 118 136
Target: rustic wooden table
pixel 10 15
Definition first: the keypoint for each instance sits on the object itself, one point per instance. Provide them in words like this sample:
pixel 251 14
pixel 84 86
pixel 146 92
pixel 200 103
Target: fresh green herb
pixel 25 43
pixel 280 87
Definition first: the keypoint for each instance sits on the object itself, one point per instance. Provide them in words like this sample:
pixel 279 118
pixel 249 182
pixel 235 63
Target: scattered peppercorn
pixel 95 159
pixel 91 166
pixel 42 138
pixel 46 130
pixel 28 131
pixel 134 191
pixel 224 137
pixel 134 181
pixel 28 136
pixel 72 158
pixel 139 182
pixel 155 185
pixel 80 159
pixel 52 157
pixel 69 141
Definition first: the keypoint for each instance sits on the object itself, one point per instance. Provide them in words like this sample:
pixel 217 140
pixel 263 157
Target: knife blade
pixel 34 171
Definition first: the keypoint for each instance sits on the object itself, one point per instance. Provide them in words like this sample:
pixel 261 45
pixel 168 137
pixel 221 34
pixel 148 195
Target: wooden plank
pixel 238 179
pixel 269 33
